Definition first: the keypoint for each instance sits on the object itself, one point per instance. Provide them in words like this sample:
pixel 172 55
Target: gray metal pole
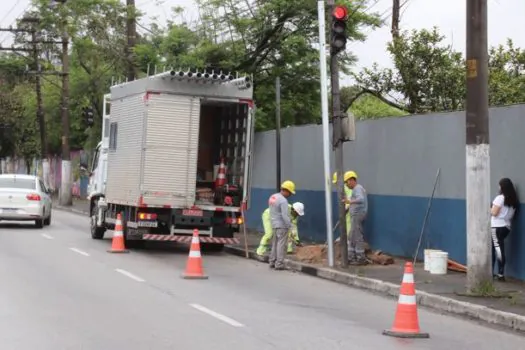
pixel 278 131
pixel 326 130
pixel 479 267
pixel 338 130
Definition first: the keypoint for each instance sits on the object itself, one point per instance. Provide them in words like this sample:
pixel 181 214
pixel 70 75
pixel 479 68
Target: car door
pixel 45 196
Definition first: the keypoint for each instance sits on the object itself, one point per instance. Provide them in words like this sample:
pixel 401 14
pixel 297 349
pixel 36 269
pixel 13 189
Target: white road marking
pixel 217 315
pixel 47 236
pixel 130 275
pixel 81 252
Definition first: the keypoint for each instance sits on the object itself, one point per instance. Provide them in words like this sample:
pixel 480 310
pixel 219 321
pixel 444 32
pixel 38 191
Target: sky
pixel 449 15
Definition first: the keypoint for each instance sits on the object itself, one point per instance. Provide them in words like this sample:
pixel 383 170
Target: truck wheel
pixel 96 232
pixel 212 247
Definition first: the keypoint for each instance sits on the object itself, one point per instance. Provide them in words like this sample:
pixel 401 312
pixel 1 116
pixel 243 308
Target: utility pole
pixel 321 15
pixel 40 112
pixel 396 8
pixel 65 197
pixel 132 35
pixel 479 267
pixel 278 131
pixel 338 143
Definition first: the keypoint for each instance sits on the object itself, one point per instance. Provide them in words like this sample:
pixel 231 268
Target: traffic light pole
pixel 326 130
pixel 338 145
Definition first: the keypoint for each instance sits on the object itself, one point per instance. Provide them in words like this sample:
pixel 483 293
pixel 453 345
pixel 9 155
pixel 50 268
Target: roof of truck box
pixel 185 83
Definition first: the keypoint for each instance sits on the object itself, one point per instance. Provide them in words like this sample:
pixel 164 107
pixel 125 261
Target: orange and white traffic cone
pixel 194 268
pixel 117 244
pixel 221 175
pixel 406 322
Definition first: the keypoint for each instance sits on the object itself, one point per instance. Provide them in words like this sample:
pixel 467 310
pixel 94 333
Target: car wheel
pixel 47 221
pixel 39 223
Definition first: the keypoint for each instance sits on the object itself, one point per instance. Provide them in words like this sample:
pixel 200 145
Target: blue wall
pixel 394 225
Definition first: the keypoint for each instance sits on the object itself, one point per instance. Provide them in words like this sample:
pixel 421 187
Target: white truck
pixel 163 138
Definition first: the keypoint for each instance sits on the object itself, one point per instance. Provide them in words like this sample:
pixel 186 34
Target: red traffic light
pixel 340 12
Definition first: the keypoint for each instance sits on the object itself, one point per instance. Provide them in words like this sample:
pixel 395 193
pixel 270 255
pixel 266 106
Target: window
pixel 42 186
pixel 20 183
pixel 95 159
pixel 113 132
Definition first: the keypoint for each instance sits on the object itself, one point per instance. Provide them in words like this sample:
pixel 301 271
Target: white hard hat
pixel 299 208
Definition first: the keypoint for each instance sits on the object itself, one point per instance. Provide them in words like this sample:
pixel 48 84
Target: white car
pixel 24 198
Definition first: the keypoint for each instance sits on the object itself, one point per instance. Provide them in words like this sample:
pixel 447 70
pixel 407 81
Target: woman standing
pixel 502 212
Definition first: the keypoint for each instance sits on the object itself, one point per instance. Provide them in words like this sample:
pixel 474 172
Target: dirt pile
pixel 317 254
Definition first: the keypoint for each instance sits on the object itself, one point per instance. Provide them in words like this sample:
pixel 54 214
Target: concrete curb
pixel 70 210
pixel 436 302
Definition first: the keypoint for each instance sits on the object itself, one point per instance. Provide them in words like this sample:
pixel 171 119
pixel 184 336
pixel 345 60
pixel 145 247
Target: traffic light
pixel 89 117
pixel 339 18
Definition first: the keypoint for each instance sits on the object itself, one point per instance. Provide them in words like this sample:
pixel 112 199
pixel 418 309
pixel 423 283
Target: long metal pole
pixel 326 130
pixel 278 131
pixel 479 267
pixel 338 136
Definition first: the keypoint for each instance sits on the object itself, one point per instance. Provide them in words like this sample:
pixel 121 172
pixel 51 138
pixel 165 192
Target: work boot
pixel 359 261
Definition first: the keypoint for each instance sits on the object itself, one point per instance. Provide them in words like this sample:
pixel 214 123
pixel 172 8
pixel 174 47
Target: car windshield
pixel 13 182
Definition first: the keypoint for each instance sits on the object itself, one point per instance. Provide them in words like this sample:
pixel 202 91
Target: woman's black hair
pixel 509 193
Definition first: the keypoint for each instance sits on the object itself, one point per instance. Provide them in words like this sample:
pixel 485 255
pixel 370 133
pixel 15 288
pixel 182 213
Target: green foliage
pixel 429 76
pixel 365 105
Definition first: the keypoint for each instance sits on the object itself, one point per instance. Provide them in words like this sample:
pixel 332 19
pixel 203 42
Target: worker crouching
pixel 295 210
pixel 281 223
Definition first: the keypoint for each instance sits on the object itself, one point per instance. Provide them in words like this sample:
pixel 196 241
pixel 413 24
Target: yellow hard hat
pixel 334 178
pixel 350 174
pixel 289 186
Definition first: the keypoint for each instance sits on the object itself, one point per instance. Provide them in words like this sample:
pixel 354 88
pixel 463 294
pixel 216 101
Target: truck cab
pixel 98 170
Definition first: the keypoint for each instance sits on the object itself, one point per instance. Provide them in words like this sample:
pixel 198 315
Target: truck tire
pixel 96 232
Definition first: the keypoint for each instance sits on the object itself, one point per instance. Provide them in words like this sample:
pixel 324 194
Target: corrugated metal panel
pixel 170 160
pixel 123 179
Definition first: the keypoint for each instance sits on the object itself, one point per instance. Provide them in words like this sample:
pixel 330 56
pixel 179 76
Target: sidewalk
pixel 80 206
pixel 445 293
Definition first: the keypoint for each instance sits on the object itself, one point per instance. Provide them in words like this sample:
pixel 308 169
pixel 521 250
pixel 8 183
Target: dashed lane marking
pixel 130 275
pixel 46 236
pixel 78 251
pixel 217 315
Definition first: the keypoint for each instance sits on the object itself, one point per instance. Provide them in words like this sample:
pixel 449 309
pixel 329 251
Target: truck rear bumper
pixel 187 239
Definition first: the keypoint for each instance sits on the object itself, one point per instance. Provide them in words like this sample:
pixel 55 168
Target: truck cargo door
pixel 169 173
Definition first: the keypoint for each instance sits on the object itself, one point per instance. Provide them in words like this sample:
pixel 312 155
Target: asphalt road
pixel 62 290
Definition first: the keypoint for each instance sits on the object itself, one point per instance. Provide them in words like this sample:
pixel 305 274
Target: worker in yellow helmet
pixel 281 223
pixel 348 194
pixel 358 202
pixel 295 210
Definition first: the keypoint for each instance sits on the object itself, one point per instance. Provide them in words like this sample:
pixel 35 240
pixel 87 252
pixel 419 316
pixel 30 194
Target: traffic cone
pixel 221 175
pixel 117 244
pixel 406 322
pixel 194 268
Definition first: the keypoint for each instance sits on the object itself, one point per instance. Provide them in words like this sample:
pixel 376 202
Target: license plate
pixel 192 212
pixel 8 210
pixel 148 224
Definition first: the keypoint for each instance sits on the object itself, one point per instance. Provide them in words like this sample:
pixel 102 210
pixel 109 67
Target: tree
pixel 506 78
pixel 365 105
pixel 428 75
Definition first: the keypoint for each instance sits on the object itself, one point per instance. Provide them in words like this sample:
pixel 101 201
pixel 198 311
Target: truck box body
pixel 167 136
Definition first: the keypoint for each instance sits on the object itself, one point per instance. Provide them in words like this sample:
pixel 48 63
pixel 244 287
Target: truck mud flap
pixel 187 239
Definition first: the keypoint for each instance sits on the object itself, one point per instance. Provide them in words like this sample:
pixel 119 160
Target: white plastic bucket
pixel 428 258
pixel 438 263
